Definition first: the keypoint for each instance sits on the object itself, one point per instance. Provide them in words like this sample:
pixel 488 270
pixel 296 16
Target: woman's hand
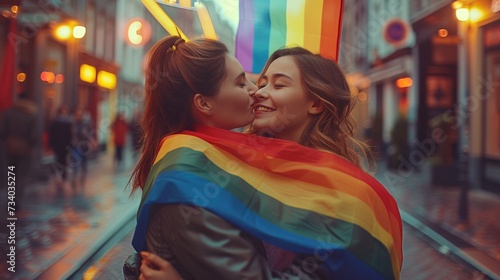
pixel 155 268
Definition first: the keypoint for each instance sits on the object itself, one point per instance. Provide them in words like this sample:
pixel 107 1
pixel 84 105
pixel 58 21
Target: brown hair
pixel 332 129
pixel 175 72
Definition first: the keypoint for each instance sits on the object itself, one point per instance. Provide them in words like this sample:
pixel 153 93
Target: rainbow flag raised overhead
pixel 267 25
pixel 300 199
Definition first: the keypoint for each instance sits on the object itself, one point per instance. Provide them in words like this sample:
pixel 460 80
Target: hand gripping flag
pixel 300 199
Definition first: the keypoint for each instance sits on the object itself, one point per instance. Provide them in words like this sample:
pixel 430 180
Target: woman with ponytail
pixel 191 85
pixel 188 84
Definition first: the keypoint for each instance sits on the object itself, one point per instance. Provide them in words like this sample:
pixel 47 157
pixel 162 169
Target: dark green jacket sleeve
pixel 200 245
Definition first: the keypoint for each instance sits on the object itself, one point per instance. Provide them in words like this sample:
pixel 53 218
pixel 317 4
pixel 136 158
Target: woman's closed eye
pixel 242 83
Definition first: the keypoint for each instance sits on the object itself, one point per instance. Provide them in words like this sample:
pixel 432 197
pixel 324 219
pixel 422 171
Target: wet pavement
pixel 58 231
pixel 433 210
pixel 58 228
pixel 422 261
pixel 425 255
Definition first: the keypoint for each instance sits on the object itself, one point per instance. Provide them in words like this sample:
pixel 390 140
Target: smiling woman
pixel 282 100
pixel 304 97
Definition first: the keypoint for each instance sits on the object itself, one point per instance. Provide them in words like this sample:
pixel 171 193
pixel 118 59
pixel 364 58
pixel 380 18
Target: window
pixel 90 25
pixel 109 48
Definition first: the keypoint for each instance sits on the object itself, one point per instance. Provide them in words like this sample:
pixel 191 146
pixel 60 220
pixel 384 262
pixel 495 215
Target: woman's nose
pixel 260 94
pixel 252 88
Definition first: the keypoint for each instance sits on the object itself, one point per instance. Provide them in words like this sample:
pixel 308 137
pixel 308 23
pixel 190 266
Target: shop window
pixel 492 94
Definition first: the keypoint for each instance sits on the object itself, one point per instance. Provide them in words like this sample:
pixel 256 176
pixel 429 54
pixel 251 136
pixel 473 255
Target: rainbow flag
pixel 299 199
pixel 268 25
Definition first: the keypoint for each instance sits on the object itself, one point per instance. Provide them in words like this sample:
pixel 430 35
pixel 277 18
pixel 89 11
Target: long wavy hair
pixel 175 71
pixel 333 129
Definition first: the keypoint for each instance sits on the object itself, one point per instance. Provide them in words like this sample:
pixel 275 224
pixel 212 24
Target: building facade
pixel 375 52
pixel 99 70
pixel 481 44
pixel 450 103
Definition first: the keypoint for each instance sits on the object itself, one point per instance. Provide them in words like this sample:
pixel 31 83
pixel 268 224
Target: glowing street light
pixel 63 32
pixel 404 82
pixel 79 31
pixel 463 14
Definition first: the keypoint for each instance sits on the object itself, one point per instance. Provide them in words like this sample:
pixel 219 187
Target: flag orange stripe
pixel 330 28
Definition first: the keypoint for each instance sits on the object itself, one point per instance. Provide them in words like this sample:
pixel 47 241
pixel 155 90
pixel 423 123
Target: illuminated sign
pixel 87 73
pixel 138 32
pixel 106 79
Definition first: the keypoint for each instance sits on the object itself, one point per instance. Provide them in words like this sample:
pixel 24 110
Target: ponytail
pixel 175 71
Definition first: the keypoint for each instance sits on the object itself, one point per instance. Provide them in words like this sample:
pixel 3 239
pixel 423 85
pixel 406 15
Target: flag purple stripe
pixel 245 35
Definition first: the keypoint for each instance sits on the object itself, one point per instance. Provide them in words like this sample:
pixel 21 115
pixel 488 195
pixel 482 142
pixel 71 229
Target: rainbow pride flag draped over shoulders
pixel 300 199
pixel 267 25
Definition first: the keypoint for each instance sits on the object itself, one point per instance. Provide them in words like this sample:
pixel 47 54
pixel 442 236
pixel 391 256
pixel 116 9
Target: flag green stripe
pixel 354 238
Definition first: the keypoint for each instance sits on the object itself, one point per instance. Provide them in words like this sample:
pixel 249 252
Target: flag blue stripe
pixel 178 187
pixel 262 30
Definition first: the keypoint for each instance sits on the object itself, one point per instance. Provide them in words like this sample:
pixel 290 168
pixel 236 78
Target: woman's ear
pixel 316 107
pixel 201 105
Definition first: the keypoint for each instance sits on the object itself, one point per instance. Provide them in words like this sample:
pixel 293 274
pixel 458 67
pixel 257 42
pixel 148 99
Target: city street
pixel 85 233
pixel 59 229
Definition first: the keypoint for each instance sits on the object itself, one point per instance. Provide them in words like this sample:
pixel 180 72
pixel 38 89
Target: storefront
pixel 97 94
pixel 436 54
pixel 491 113
pixel 389 102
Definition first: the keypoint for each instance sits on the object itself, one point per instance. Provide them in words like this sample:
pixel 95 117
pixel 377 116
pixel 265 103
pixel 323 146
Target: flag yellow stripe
pixel 295 22
pixel 369 211
pixel 312 25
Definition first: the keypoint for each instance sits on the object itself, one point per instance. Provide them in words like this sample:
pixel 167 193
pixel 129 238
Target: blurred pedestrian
pixel 120 130
pixel 82 144
pixel 19 134
pixel 60 142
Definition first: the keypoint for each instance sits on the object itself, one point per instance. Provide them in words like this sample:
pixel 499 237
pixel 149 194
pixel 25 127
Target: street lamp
pixel 462 12
pixel 70 31
pixel 79 31
pixel 65 32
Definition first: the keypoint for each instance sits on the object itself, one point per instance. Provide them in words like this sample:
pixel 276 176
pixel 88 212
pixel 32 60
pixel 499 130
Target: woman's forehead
pixel 233 66
pixel 283 66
